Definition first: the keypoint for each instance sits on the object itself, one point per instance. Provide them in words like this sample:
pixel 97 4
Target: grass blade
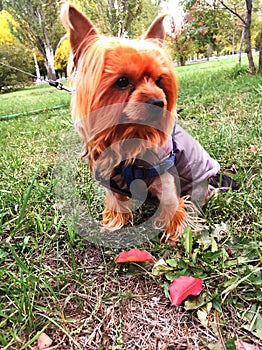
pixel 25 201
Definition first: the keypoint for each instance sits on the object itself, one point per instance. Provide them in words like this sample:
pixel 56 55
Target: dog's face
pixel 123 88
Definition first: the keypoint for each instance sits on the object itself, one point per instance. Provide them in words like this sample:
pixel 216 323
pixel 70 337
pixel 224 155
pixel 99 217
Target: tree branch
pixel 232 11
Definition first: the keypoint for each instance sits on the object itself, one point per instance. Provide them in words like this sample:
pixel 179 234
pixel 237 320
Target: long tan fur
pixel 98 107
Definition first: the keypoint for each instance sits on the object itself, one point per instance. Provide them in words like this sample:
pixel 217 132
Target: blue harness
pixel 138 172
pixel 134 172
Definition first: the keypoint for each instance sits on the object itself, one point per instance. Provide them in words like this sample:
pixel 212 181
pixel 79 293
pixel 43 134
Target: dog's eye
pixel 122 83
pixel 158 81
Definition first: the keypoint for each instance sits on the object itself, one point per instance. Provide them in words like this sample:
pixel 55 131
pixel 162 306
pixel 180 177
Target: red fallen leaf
pixel 184 286
pixel 253 148
pixel 44 341
pixel 133 255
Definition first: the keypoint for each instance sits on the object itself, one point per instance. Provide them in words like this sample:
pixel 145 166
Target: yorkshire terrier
pixel 124 107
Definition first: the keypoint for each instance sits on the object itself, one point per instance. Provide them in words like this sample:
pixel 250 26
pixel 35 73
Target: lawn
pixel 54 281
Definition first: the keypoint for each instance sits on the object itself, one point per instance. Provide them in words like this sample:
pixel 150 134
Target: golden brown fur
pixel 105 113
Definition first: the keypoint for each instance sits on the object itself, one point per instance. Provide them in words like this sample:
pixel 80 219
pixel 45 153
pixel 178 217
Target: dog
pixel 124 107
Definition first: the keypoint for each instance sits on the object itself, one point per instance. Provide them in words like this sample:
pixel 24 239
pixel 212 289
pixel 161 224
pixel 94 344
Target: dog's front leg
pixel 117 212
pixel 172 208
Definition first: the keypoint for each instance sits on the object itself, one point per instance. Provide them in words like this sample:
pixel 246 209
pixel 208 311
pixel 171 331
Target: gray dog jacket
pixel 181 155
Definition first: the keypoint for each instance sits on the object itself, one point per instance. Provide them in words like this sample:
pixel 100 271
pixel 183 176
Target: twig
pixel 187 338
pixel 219 331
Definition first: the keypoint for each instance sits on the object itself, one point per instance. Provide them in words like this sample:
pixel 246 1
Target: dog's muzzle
pixel 154 108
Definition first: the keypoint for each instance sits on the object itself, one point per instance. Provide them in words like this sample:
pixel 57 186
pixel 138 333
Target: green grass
pixel 48 272
pixel 32 98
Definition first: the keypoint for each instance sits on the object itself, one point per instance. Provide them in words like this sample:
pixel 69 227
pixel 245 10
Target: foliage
pixel 39 25
pixel 120 14
pixel 6 37
pixel 208 26
pixel 61 56
pixel 123 17
pixel 150 10
pixel 213 18
pixel 15 55
pixel 180 43
pixel 182 48
pixel 39 22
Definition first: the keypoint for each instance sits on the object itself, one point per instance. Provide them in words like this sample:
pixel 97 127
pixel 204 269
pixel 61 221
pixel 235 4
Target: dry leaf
pixel 241 345
pixel 44 341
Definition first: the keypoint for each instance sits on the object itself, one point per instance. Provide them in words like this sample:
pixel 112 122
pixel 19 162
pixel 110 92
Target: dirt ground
pixel 123 307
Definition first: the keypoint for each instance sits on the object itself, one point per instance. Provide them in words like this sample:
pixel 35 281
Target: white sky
pixel 172 7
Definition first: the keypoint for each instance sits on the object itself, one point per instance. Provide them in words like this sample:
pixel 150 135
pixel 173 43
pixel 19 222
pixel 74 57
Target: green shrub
pixel 237 71
pixel 17 56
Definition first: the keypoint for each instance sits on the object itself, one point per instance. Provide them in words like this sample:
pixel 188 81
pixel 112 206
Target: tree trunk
pixel 260 53
pixel 182 61
pixel 48 53
pixel 37 70
pixel 209 51
pixel 49 63
pixel 233 44
pixel 112 16
pixel 241 44
pixel 233 36
pixel 252 68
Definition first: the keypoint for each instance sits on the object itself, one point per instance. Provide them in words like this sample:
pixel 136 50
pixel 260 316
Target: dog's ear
pixel 78 24
pixel 157 30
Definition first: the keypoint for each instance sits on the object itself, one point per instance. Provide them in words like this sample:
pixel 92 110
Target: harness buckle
pixel 139 172
pixel 162 168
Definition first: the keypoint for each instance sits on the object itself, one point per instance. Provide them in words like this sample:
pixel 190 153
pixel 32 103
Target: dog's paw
pixel 172 224
pixel 113 221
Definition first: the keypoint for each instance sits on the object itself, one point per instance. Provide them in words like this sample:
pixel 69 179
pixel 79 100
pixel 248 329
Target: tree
pixel 260 52
pixel 61 57
pixel 247 29
pixel 39 26
pixel 180 43
pixel 140 24
pixel 206 23
pixel 15 55
pixel 121 17
pixel 248 18
pixel 6 37
pixel 244 16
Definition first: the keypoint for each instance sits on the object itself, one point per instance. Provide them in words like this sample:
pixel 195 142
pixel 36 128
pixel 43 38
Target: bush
pixel 17 56
pixel 237 71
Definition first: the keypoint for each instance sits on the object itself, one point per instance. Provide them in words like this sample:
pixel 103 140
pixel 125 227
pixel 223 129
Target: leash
pixel 52 83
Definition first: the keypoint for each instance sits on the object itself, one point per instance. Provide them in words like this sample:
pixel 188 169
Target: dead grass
pixel 122 307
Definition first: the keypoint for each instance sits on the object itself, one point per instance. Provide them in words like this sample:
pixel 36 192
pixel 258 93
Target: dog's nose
pixel 156 102
pixel 154 108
